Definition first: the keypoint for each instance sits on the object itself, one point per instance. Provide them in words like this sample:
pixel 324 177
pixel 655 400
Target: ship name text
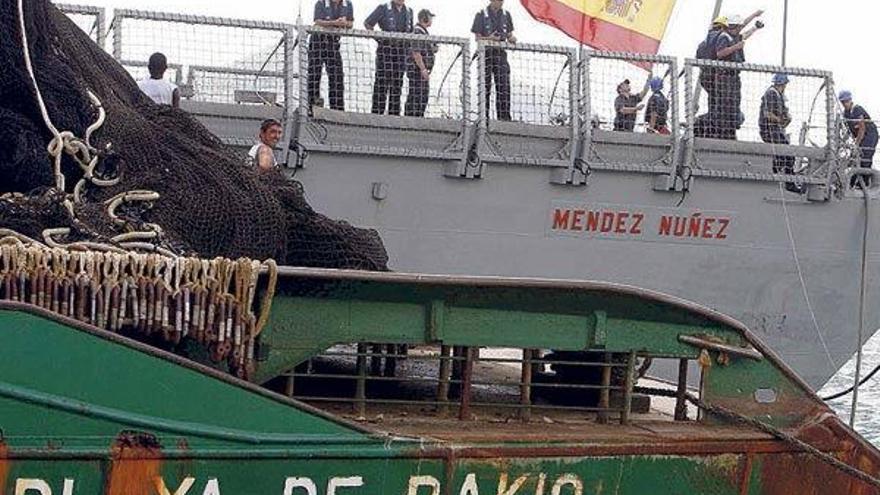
pixel 639 223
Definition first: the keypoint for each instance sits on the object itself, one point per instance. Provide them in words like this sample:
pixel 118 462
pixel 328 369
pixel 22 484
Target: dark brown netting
pixel 211 203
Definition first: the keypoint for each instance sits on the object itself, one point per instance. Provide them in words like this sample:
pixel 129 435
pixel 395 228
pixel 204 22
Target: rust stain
pixel 802 474
pixel 4 467
pixel 136 464
pixel 867 462
pixel 701 448
pixel 746 479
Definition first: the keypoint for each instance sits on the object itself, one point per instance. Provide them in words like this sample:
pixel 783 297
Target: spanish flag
pixel 635 26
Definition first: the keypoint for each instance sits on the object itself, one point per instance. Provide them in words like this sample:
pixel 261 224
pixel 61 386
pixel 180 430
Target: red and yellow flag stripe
pixel 618 25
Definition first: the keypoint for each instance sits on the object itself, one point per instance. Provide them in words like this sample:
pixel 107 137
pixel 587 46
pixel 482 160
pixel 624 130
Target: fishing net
pixel 209 202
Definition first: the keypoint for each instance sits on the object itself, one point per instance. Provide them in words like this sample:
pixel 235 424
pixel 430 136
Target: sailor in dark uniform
pixel 391 17
pixel 726 98
pixel 419 66
pixel 774 118
pixel 324 51
pixel 657 112
pixel 495 24
pixel 863 129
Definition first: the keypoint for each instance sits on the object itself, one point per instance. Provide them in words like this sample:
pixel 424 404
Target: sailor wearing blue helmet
pixel 863 129
pixel 774 117
pixel 657 111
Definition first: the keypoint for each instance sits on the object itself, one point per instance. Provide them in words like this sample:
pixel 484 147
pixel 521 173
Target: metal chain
pixel 736 417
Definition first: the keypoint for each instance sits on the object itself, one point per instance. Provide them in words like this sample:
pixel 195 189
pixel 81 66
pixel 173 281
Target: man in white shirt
pixel 261 154
pixel 156 87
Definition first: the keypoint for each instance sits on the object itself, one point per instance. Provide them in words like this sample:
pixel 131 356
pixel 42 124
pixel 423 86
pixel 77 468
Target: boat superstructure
pixel 555 193
pixel 140 420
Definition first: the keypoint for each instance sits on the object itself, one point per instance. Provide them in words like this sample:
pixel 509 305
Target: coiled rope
pixel 214 302
pixel 82 152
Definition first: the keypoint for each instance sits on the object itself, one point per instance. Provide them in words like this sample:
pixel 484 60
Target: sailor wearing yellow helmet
pixel 707 51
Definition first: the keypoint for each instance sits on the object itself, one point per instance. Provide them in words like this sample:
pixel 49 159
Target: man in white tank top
pixel 261 154
pixel 156 87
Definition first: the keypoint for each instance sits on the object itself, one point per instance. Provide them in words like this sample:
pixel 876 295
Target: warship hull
pixel 791 271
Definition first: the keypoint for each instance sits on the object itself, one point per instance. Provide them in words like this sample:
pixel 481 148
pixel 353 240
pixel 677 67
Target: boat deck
pixel 566 431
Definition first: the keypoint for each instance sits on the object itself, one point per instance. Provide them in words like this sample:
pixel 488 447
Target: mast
pixel 784 32
pixel 715 13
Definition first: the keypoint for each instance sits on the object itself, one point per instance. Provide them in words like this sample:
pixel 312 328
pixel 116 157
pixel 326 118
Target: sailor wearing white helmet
pixel 730 48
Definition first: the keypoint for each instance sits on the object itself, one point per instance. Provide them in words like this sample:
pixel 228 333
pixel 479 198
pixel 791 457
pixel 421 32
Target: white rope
pixel 800 273
pixel 863 289
pixel 86 156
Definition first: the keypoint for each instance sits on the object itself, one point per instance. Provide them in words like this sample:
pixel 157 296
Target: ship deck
pixel 405 410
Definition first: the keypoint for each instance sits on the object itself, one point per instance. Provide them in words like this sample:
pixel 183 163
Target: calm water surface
pixel 868 413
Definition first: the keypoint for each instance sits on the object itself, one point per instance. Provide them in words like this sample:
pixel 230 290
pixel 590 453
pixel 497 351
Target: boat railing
pixel 463 382
pixel 711 90
pixel 89 18
pixel 138 70
pixel 219 56
pixel 542 102
pixel 350 118
pixel 561 101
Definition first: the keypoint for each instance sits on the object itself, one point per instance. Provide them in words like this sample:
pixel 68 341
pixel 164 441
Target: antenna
pixel 299 12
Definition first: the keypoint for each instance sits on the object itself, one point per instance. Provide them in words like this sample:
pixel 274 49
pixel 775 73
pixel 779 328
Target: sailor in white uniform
pixel 262 153
pixel 156 87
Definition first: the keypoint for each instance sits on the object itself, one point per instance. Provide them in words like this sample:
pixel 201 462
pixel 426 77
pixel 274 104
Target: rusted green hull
pixel 86 412
pixel 379 473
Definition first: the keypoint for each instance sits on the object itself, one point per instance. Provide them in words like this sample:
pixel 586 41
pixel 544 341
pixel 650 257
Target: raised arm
pixel 646 88
pixel 752 17
pixel 632 110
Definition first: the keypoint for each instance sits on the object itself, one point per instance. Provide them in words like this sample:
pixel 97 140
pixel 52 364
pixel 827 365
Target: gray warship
pixel 555 193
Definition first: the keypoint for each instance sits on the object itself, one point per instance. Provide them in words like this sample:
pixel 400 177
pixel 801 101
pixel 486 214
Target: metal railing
pixel 92 20
pixel 602 74
pixel 220 56
pixel 451 381
pixel 526 90
pixel 723 101
pixel 399 117
pixel 561 99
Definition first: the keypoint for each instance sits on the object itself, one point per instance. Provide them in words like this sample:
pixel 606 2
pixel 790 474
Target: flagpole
pixel 784 33
pixel 715 13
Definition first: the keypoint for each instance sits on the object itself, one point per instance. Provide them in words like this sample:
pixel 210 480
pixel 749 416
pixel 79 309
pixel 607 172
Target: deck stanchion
pixel 681 391
pixel 525 396
pixel 457 359
pixel 443 380
pixel 605 391
pixel 467 370
pixel 288 385
pixel 360 401
pixel 628 388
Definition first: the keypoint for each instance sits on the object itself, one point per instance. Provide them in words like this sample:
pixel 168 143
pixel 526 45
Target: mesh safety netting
pixel 210 204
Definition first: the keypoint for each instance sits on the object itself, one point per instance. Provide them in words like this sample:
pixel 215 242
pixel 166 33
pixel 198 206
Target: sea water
pixel 868 409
